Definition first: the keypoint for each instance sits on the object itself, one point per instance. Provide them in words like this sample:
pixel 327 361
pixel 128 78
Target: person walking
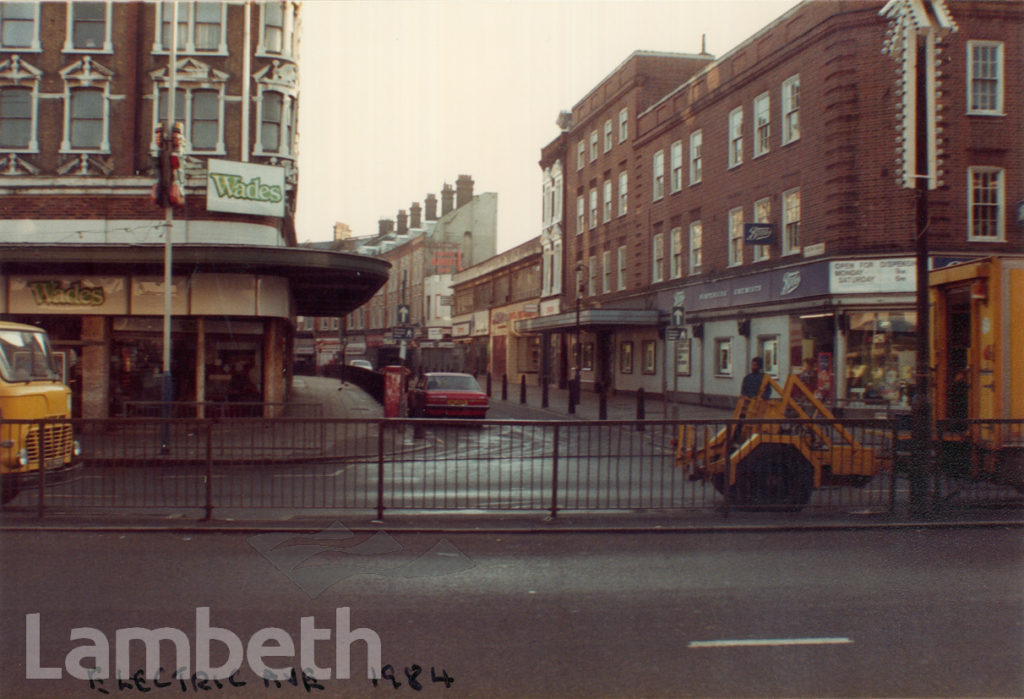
pixel 752 381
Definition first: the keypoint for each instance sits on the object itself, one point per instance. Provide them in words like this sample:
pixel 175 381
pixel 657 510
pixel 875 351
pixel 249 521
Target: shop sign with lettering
pixel 71 296
pixel 245 188
pixel 873 276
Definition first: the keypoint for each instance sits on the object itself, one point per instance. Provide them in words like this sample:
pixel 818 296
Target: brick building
pixel 757 200
pixel 83 87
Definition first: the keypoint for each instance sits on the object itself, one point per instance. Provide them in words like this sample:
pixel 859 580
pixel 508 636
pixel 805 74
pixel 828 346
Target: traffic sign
pixel 404 314
pixel 678 316
pixel 402 333
pixel 674 334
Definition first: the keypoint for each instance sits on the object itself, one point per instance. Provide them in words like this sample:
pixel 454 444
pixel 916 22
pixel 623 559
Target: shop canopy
pixel 323 283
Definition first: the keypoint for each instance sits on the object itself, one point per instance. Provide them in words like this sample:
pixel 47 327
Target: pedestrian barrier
pixel 382 465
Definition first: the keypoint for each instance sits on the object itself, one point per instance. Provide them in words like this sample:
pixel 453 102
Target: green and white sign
pixel 245 188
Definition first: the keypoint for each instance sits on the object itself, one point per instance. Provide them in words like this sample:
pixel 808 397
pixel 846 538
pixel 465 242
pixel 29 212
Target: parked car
pixel 362 364
pixel 447 394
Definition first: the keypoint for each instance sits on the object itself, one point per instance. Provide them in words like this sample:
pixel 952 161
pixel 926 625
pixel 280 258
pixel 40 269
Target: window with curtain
pixel 86 123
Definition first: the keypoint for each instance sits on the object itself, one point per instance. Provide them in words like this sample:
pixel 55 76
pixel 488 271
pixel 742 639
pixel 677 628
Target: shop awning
pixel 323 283
pixel 590 319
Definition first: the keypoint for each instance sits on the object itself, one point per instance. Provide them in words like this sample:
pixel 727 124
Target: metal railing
pixel 381 465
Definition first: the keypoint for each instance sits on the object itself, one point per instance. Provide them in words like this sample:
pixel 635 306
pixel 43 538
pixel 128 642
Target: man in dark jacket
pixel 752 381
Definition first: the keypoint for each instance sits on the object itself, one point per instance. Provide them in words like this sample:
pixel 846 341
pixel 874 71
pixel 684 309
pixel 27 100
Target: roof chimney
pixel 447 199
pixel 463 191
pixel 403 222
pixel 415 216
pixel 431 204
pixel 385 226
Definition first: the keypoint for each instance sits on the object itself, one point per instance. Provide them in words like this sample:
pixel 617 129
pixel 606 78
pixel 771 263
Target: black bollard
pixel 544 394
pixel 522 389
pixel 572 396
pixel 504 386
pixel 488 384
pixel 640 413
pixel 602 405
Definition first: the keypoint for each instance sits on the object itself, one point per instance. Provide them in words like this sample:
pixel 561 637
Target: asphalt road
pixel 886 612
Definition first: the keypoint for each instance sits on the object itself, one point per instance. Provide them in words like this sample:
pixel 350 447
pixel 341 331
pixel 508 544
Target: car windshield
pixel 453 383
pixel 24 356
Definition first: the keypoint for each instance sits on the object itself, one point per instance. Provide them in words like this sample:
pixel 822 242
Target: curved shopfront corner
pixel 231 329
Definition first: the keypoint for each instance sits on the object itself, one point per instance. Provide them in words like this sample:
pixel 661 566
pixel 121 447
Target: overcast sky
pixel 400 97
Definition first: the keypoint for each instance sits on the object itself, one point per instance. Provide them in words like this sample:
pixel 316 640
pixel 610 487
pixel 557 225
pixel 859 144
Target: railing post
pixel 208 425
pixel 640 410
pixel 522 389
pixel 380 467
pixel 554 476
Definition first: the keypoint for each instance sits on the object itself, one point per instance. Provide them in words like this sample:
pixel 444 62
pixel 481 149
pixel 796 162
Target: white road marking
pixel 749 642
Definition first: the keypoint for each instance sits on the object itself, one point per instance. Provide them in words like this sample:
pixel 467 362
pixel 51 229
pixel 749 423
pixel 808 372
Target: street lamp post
pixel 574 390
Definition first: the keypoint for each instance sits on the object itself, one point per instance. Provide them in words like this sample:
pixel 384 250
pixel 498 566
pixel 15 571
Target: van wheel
pixel 775 476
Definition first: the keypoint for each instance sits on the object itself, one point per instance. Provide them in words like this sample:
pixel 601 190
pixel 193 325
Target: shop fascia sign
pixel 245 188
pixel 55 293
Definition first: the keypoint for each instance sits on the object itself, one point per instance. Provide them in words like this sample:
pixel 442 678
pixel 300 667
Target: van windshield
pixel 25 356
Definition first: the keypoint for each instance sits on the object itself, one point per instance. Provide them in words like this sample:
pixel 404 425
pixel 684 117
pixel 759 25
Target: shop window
pixel 768 350
pixel 723 356
pixel 650 358
pixel 626 358
pixel 881 355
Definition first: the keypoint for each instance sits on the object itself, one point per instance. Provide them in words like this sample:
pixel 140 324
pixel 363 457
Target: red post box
pixel 394 390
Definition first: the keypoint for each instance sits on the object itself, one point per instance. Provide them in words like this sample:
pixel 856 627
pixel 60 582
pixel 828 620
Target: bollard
pixel 522 389
pixel 488 384
pixel 504 386
pixel 602 405
pixel 572 396
pixel 544 394
pixel 640 413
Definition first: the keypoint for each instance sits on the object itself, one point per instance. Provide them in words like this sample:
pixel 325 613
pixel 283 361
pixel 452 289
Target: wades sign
pixel 245 188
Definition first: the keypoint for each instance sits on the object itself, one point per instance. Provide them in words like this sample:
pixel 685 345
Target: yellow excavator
pixel 778 450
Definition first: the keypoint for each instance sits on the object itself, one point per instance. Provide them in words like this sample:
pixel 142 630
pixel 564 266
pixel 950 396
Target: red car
pixel 447 394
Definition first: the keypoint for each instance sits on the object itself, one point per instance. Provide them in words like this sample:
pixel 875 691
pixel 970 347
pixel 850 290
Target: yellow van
pixel 30 389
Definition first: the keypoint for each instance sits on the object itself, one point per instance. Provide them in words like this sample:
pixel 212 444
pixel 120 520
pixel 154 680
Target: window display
pixel 881 355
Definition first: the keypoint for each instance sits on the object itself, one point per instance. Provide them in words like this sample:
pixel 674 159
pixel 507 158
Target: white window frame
pixel 791 221
pixel 658 178
pixel 16 74
pixel 996 201
pixel 696 246
pixel 581 214
pixel 66 145
pixel 606 272
pixel 581 154
pixel 287 124
pixel 623 124
pixel 723 356
pixel 187 17
pixel 996 80
pixel 160 113
pixel 593 208
pixel 736 236
pixel 287 30
pixel 675 259
pixel 606 202
pixel 69 36
pixel 593 145
pixel 762 214
pixel 791 109
pixel 607 135
pixel 621 274
pixel 762 124
pixel 676 167
pixel 623 193
pixel 591 276
pixel 33 45
pixel 768 351
pixel 657 258
pixel 736 137
pixel 696 157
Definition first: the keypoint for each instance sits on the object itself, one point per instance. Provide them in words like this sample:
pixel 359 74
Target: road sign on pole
pixel 403 314
pixel 678 316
